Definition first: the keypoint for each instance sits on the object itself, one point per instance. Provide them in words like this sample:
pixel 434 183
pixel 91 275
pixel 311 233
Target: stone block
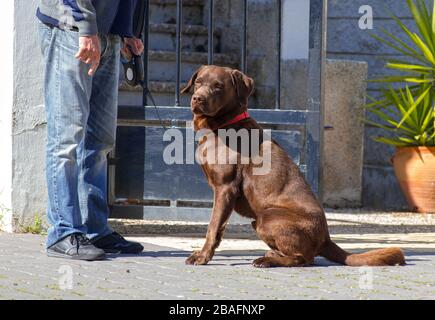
pixel 345 86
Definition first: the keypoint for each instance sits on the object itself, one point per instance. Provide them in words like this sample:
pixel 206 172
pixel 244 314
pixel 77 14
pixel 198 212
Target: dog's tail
pixel 381 257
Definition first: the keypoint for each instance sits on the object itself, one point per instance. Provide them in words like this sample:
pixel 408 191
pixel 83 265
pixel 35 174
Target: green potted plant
pixel 405 107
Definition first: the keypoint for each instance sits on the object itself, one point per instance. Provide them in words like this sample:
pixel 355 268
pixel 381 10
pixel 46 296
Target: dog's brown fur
pixel 286 214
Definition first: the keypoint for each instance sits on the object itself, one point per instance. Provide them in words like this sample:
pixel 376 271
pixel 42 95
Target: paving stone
pixel 160 273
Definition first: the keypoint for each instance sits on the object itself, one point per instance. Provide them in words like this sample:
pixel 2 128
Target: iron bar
pixel 244 66
pixel 315 115
pixel 178 51
pixel 145 38
pixel 210 33
pixel 278 58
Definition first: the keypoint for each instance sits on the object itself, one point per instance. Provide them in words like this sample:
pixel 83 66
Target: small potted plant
pixel 405 107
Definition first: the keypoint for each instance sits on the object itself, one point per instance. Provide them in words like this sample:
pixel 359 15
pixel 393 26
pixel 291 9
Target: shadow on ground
pixel 244 257
pixel 245 231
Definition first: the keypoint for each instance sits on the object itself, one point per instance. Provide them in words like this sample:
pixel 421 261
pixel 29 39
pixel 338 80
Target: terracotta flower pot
pixel 415 171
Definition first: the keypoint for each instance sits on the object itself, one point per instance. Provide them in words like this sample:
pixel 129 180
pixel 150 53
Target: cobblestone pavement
pixel 160 273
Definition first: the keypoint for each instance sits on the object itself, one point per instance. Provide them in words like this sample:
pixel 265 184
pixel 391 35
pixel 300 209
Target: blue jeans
pixel 81 130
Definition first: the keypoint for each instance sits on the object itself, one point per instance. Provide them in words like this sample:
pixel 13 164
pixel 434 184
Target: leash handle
pixel 133 68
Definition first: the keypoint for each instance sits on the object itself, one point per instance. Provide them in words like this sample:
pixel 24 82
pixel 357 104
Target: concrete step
pixel 164 94
pixel 194 38
pixel 162 64
pixel 165 11
pixel 162 74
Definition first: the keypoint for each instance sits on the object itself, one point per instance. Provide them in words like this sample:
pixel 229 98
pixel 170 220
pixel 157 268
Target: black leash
pixel 148 93
pixel 134 76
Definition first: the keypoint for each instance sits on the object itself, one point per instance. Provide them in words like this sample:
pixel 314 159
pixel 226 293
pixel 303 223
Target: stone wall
pixel 347 41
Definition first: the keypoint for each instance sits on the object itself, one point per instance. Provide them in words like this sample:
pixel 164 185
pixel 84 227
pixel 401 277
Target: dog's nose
pixel 198 98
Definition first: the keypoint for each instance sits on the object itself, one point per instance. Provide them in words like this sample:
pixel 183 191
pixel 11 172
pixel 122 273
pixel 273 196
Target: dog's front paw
pixel 263 262
pixel 197 258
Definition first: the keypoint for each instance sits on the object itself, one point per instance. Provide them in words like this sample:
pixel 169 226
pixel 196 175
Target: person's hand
pixel 90 52
pixel 132 45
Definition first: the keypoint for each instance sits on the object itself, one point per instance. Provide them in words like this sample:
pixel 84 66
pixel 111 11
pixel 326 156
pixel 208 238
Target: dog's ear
pixel 244 85
pixel 191 84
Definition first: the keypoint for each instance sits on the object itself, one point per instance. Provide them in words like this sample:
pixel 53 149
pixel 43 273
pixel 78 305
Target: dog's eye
pixel 218 86
pixel 197 84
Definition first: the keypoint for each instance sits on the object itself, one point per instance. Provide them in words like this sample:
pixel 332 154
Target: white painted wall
pixel 6 105
pixel 22 117
pixel 295 29
pixel 28 131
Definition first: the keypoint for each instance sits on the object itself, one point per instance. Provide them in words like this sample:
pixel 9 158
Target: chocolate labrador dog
pixel 286 214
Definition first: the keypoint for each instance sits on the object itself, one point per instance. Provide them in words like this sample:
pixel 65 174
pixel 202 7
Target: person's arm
pixel 132 42
pixel 90 48
pixel 87 22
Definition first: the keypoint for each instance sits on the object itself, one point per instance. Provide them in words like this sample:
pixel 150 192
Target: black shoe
pixel 115 243
pixel 76 247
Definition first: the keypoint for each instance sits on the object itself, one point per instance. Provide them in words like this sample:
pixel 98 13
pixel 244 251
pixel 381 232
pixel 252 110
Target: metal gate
pixel 142 186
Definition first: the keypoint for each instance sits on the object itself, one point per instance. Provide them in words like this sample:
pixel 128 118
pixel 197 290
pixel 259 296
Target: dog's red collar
pixel 240 117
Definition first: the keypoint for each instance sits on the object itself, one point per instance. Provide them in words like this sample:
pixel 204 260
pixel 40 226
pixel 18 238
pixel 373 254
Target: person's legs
pixel 99 140
pixel 67 93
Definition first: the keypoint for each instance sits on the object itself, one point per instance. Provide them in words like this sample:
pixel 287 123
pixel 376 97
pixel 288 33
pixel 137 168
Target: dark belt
pixel 75 29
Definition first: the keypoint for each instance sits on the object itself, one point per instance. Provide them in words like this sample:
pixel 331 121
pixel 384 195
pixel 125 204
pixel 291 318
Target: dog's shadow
pixel 221 258
pixel 235 258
